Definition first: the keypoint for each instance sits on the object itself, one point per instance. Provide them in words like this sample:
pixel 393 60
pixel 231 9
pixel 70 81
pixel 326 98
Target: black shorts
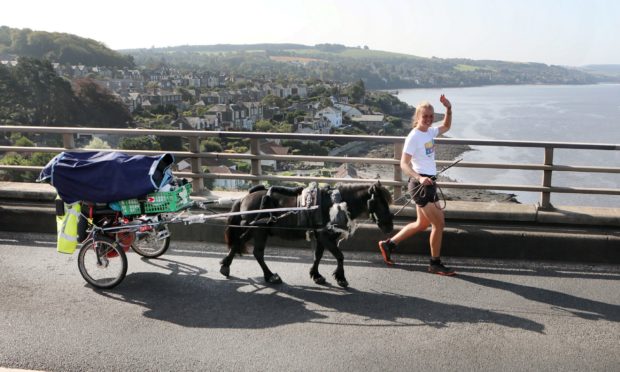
pixel 422 195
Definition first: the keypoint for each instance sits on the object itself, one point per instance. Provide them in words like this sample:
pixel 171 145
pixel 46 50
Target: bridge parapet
pixel 43 195
pixel 546 167
pixel 474 229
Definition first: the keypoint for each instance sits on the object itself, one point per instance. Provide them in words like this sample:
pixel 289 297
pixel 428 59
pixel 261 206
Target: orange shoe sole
pixel 385 257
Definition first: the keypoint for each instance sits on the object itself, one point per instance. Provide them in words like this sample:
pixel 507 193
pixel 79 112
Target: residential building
pixel 331 114
pixel 370 121
pixel 223 183
pixel 272 148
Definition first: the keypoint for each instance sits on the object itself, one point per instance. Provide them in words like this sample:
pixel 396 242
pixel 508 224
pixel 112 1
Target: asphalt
pixel 473 229
pixel 178 313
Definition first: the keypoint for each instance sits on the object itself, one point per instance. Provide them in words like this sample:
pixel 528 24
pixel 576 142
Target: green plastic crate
pixel 130 207
pixel 168 201
pixel 159 202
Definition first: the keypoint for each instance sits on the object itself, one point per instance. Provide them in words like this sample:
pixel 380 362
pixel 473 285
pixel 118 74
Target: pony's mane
pixel 352 188
pixel 360 188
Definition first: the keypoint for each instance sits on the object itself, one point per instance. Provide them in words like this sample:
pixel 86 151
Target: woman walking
pixel 418 162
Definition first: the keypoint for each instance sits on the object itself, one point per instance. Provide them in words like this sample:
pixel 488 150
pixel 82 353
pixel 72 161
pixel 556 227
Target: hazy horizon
pixel 569 33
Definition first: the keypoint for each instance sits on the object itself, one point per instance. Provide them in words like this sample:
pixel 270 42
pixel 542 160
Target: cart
pixel 108 227
pixel 141 225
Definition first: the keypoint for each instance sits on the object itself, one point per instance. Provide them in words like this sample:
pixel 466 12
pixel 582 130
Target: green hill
pixel 378 69
pixel 612 71
pixel 59 47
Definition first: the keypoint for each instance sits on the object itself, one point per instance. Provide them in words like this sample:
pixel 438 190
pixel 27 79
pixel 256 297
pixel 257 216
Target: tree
pixel 271 101
pixel 37 158
pixel 357 91
pixel 11 95
pixel 9 175
pixel 24 142
pixel 166 109
pixel 60 47
pixel 210 145
pixel 139 143
pixel 100 108
pixel 168 143
pixel 187 96
pixel 263 126
pixel 291 116
pixel 325 102
pixel 46 97
pixel 97 143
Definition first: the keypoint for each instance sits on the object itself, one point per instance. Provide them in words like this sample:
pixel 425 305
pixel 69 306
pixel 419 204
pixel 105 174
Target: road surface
pixel 178 313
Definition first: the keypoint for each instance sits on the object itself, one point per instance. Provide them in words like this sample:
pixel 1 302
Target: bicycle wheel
pixel 152 243
pixel 102 262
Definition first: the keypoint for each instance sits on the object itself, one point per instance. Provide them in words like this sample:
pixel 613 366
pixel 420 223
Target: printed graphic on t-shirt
pixel 430 147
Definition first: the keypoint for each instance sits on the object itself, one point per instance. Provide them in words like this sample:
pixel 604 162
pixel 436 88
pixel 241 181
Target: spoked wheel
pixel 152 243
pixel 102 262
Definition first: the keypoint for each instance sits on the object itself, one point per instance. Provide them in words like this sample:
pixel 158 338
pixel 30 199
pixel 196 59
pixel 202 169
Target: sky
pixel 560 32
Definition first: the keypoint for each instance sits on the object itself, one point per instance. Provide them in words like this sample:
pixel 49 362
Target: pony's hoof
pixel 316 277
pixel 342 281
pixel 225 270
pixel 319 279
pixel 274 279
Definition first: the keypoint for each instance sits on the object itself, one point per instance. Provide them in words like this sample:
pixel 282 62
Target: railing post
pixel 398 172
pixel 198 183
pixel 68 141
pixel 545 198
pixel 255 170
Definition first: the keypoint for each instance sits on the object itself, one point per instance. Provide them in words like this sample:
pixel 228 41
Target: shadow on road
pixel 185 297
pixel 581 307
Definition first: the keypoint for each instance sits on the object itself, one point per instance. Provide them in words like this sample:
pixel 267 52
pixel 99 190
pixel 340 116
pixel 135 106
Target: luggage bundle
pixel 130 184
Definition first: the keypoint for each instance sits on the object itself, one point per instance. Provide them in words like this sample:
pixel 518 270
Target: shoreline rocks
pixel 451 152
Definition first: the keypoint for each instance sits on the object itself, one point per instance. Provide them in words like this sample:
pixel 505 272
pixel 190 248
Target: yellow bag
pixel 67 225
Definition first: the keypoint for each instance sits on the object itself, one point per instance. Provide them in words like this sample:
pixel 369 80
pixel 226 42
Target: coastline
pixel 392 90
pixel 449 153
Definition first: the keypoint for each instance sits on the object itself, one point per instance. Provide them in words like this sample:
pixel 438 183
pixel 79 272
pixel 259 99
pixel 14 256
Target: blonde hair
pixel 422 105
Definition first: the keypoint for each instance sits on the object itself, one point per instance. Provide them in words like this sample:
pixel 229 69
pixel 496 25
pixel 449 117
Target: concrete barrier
pixel 474 229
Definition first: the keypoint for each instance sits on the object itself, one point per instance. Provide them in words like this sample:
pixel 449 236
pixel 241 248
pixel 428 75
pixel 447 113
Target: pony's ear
pixel 378 183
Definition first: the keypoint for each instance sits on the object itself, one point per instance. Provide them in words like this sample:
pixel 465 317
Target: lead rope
pixel 422 191
pixel 420 187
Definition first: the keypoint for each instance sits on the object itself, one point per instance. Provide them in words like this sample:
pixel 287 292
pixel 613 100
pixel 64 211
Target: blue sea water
pixel 554 113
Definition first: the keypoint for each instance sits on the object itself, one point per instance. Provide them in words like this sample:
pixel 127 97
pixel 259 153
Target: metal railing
pixel 547 166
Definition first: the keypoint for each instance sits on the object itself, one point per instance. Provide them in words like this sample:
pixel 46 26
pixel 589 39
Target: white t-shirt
pixel 421 146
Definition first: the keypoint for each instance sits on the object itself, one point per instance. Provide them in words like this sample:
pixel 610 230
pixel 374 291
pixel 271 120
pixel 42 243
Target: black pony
pixel 327 224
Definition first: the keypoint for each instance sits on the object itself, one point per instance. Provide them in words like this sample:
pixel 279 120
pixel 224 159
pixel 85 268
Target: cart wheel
pixel 152 243
pixel 102 262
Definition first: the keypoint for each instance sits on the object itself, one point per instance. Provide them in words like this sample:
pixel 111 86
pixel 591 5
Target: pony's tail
pixel 233 231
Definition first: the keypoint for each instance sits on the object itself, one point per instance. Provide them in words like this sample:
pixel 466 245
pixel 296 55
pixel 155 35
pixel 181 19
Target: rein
pixel 420 188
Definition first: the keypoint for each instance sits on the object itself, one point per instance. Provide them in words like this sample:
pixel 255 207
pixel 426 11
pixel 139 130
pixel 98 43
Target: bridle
pixel 372 205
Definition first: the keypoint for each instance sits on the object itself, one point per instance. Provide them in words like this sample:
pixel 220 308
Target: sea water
pixel 550 113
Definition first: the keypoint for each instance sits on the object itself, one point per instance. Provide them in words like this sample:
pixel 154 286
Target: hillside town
pixel 221 102
pixel 167 98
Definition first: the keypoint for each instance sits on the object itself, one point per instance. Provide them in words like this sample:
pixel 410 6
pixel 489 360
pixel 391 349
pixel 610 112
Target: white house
pixel 196 122
pixel 223 183
pixel 331 114
pixel 348 110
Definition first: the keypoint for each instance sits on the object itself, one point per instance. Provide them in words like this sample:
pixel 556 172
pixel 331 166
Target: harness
pixel 312 196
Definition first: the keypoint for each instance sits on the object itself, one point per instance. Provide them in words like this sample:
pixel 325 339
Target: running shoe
pixel 440 269
pixel 386 251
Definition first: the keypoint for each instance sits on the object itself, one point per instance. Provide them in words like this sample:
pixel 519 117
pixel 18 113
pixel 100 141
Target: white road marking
pixel 45 242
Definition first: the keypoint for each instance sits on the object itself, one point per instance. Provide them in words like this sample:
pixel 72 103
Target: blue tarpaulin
pixel 104 177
